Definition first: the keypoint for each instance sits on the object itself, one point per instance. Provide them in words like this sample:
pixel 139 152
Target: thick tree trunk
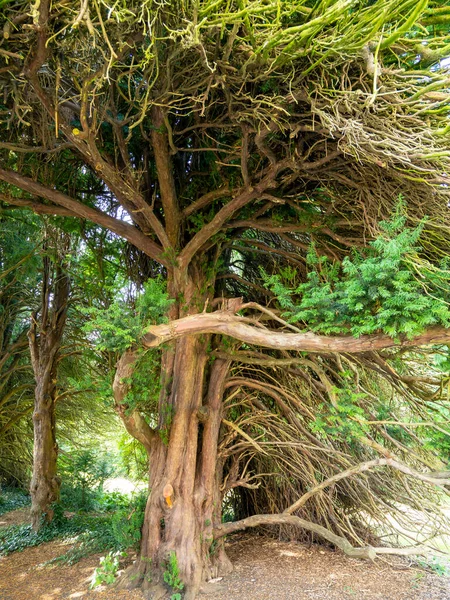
pixel 45 342
pixel 184 505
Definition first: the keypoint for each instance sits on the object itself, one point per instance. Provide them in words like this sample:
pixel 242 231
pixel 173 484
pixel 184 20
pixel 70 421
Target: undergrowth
pixel 12 499
pixel 116 529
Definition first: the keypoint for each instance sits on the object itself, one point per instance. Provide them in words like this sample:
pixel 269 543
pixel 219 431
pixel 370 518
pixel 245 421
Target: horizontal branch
pixel 225 323
pixel 35 149
pixel 37 207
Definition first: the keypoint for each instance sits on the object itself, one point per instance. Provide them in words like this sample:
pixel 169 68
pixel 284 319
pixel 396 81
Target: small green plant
pixel 107 571
pixel 437 565
pixel 172 577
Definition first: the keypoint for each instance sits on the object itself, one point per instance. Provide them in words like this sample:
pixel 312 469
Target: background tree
pixel 19 281
pixel 45 337
pixel 81 399
pixel 217 140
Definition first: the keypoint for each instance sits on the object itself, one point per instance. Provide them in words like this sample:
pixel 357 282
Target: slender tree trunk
pixel 45 340
pixel 44 483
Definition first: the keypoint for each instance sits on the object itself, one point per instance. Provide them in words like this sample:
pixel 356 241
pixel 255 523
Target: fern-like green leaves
pixel 386 288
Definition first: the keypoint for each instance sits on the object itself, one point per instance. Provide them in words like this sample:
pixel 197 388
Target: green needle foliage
pixel 381 289
pixel 120 325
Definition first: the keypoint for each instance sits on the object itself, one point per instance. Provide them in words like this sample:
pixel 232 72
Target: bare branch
pixel 238 328
pixel 340 542
pixel 37 207
pixel 431 478
pixel 205 200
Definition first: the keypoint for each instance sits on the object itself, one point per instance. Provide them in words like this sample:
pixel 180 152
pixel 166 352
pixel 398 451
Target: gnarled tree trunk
pixel 184 505
pixel 45 341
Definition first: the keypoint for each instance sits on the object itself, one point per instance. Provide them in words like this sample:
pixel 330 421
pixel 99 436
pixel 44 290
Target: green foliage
pixel 127 521
pixel 378 290
pixel 437 565
pixel 133 457
pixel 83 473
pixel 172 577
pixel 12 499
pixel 19 537
pixel 117 529
pixel 143 385
pixel 119 326
pixel 107 571
pixel 343 421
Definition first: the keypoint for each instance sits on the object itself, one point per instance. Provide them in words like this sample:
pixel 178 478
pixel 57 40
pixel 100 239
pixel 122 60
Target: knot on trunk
pixel 168 494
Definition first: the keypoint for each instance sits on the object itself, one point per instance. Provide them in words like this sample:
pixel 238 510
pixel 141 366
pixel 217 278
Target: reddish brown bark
pixel 184 504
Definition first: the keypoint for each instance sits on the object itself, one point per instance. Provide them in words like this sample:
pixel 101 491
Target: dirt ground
pixel 15 517
pixel 264 569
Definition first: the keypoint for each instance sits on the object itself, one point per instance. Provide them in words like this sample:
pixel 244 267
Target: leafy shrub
pixel 112 501
pixel 120 325
pixel 116 530
pixel 107 571
pixel 127 521
pixel 83 474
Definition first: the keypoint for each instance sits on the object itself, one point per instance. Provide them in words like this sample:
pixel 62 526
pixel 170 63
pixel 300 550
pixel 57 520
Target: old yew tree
pixel 278 172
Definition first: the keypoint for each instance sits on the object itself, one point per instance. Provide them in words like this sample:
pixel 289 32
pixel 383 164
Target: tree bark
pixel 45 340
pixel 184 504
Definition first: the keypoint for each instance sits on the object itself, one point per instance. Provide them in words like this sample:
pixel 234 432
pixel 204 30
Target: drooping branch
pixel 238 328
pixel 431 478
pixel 125 230
pixel 340 542
pixel 134 422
